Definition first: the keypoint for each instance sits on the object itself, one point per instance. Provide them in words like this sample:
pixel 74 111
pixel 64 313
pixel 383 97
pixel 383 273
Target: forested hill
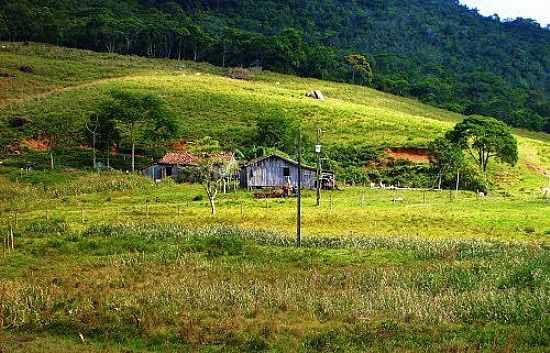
pixel 436 50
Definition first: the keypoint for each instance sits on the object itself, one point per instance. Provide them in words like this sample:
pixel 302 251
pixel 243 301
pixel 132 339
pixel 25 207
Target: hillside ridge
pixel 209 104
pixel 439 51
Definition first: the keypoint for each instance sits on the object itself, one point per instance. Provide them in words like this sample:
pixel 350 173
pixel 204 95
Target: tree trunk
pixel 93 151
pixel 109 155
pixel 133 150
pixel 212 206
pixel 51 160
pixel 133 157
pixel 457 180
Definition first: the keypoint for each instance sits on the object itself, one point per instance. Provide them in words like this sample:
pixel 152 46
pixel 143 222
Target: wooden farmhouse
pixel 274 171
pixel 171 165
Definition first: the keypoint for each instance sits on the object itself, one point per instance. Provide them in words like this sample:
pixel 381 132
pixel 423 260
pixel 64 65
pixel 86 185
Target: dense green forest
pixel 437 50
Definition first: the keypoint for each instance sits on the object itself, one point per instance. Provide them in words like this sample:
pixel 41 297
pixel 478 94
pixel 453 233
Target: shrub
pixel 239 73
pixel 26 69
pixel 198 198
pixel 255 343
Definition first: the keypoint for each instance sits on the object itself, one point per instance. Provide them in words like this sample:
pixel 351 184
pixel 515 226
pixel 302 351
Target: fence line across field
pixel 331 201
pixel 149 208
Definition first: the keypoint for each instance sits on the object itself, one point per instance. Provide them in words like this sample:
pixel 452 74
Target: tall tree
pixel 485 138
pixel 215 168
pixel 360 66
pixel 446 157
pixel 275 130
pixel 138 116
pixel 58 132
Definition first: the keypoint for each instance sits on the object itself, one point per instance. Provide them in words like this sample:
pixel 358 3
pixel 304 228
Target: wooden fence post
pixel 362 199
pixel 331 204
pixel 242 209
pixel 12 239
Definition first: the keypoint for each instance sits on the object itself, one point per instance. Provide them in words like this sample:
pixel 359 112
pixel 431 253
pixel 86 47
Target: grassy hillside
pixel 71 83
pixel 112 262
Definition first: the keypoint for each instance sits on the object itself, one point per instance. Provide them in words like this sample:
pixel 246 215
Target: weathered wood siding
pixel 161 171
pixel 270 172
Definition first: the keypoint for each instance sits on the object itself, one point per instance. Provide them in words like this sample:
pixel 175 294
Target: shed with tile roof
pixel 171 165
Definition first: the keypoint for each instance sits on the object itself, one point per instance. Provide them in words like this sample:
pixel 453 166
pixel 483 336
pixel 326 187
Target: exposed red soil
pixel 38 144
pixel 415 155
pixel 179 146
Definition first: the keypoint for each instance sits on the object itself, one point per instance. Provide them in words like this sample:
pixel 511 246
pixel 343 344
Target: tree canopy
pixel 485 138
pixel 138 118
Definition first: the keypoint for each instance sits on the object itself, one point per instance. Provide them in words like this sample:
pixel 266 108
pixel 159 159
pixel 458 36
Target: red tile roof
pixel 180 158
pixel 224 156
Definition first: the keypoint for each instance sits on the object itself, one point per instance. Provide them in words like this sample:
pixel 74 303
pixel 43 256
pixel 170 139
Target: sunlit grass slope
pixel 72 83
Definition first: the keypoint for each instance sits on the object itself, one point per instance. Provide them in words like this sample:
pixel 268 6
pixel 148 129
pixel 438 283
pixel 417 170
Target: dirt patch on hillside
pixel 39 144
pixel 537 168
pixel 179 146
pixel 415 155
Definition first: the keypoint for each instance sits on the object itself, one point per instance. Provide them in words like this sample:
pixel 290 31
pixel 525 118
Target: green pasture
pixel 111 262
pixel 71 83
pixel 87 198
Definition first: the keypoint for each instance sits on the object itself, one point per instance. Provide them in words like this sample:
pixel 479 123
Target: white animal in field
pixel 545 193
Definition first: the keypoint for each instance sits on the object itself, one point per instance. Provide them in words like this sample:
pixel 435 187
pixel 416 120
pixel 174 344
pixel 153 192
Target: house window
pixel 286 171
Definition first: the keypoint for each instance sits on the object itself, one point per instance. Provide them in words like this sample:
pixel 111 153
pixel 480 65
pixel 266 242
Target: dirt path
pixel 56 89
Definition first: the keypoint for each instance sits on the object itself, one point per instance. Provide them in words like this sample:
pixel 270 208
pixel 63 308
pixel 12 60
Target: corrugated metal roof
pixel 288 160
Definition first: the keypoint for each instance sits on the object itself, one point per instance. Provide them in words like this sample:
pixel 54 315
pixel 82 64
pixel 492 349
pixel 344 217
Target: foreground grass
pixel 113 263
pixel 164 287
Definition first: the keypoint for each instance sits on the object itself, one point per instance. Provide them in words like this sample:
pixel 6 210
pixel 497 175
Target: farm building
pixel 171 165
pixel 276 171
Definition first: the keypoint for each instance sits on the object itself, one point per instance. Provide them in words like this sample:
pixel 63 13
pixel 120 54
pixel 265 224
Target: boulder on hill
pixel 316 94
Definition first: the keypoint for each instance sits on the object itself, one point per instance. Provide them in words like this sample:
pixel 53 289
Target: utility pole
pixel 318 151
pixel 299 195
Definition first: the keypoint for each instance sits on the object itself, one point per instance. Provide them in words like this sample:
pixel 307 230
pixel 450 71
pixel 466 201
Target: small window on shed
pixel 286 171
